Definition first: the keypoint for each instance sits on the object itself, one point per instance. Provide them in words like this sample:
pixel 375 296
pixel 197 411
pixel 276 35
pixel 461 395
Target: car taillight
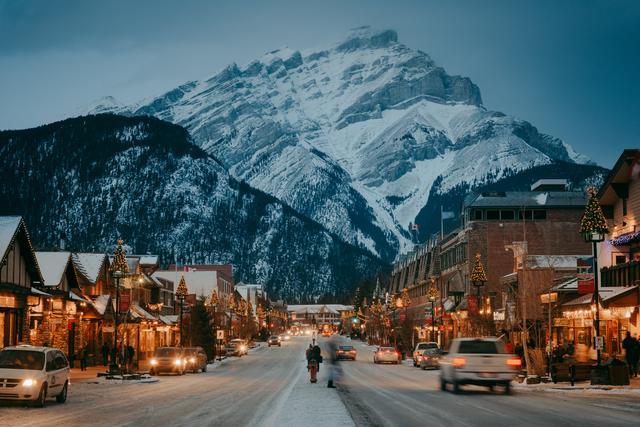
pixel 458 362
pixel 516 363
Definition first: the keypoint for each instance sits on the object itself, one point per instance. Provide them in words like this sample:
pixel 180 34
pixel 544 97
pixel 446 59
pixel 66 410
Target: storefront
pixel 618 314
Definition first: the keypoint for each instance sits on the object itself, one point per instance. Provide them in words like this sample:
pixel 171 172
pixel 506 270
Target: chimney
pixel 62 241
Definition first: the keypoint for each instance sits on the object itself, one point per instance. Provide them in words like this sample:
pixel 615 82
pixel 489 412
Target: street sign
pixel 599 343
pixel 220 334
pixel 125 299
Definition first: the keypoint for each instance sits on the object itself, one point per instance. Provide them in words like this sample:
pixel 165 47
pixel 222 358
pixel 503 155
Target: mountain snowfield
pixel 353 136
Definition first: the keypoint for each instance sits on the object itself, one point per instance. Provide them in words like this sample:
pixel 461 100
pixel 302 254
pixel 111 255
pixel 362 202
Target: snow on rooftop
pixel 100 303
pixel 89 264
pixel 52 266
pixel 8 227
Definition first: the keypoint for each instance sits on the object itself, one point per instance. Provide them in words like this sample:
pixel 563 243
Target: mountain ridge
pixel 337 132
pixel 98 178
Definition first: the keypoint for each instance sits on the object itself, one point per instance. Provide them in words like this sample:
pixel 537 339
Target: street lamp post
pixel 119 269
pixel 593 228
pixel 181 293
pixel 478 277
pixel 432 295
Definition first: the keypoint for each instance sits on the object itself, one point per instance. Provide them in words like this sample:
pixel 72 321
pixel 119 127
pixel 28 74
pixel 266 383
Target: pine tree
pixel 593 220
pixel 357 300
pixel 200 328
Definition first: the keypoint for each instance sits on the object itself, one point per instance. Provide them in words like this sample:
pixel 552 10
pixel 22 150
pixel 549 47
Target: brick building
pixel 544 221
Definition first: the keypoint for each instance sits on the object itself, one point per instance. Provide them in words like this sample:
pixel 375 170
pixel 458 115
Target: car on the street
pixel 33 374
pixel 167 360
pixel 196 359
pixel 346 352
pixel 420 348
pixel 478 361
pixel 430 359
pixel 274 340
pixel 236 347
pixel 386 355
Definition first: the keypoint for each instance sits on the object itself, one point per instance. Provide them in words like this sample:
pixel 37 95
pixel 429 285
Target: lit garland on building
pixel 626 239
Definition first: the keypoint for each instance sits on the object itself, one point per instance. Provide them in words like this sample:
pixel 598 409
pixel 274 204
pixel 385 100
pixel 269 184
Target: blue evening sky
pixel 570 67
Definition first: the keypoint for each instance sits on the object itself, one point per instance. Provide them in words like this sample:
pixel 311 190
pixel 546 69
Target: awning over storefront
pixel 455 284
pixel 615 296
pixel 39 293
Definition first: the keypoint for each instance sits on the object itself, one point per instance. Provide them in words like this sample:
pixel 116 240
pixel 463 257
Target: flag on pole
pixel 448 214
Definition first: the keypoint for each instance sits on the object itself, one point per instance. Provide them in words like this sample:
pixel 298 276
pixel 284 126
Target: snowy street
pixel 268 387
pixel 401 395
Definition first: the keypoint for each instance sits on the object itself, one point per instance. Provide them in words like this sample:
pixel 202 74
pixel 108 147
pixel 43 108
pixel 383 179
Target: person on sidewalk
pixel 630 346
pixel 105 354
pixel 83 358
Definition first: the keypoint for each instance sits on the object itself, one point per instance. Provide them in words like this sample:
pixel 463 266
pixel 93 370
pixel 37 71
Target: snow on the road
pixel 306 404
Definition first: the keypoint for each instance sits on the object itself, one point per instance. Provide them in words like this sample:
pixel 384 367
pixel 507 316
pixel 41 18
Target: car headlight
pixel 243 348
pixel 177 362
pixel 192 360
pixel 154 362
pixel 29 382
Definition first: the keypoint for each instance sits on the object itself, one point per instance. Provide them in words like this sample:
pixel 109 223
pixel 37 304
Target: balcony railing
pixel 627 274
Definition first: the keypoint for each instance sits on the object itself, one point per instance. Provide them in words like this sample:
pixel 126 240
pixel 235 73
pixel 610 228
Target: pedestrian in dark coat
pixel 630 345
pixel 105 354
pixel 83 358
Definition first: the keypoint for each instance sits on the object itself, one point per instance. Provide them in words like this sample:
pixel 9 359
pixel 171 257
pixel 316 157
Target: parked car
pixel 274 340
pixel 236 347
pixel 386 355
pixel 33 374
pixel 196 359
pixel 346 352
pixel 420 348
pixel 430 359
pixel 479 361
pixel 168 360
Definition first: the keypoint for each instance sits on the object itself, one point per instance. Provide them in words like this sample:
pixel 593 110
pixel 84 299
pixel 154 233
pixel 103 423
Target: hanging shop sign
pixel 125 301
pixel 9 302
pixel 586 286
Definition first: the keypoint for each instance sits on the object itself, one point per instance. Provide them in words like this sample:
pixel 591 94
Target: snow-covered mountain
pixel 354 135
pixel 98 178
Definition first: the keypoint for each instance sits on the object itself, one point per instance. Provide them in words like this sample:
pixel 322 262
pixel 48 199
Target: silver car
pixel 386 355
pixel 430 359
pixel 33 374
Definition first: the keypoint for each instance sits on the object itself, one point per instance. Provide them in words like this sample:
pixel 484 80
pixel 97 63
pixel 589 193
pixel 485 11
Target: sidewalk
pixel 582 387
pixel 91 374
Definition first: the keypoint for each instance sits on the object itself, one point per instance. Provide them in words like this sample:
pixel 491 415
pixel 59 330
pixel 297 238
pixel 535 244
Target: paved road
pixel 242 392
pixel 401 395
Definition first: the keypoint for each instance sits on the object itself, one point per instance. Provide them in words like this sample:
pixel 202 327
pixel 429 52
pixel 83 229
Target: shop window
pixel 620 259
pixel 507 215
pixel 493 215
pixel 539 215
pixel 526 215
pixel 476 215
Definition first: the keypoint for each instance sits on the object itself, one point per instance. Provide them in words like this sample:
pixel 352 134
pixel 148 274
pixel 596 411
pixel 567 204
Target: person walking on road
pixel 314 358
pixel 630 346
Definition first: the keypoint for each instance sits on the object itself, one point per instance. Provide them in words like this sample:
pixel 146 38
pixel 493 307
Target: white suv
pixel 479 361
pixel 33 373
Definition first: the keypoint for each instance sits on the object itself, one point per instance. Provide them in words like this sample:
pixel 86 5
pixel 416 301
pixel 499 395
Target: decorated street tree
pixel 478 274
pixel 119 263
pixel 593 220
